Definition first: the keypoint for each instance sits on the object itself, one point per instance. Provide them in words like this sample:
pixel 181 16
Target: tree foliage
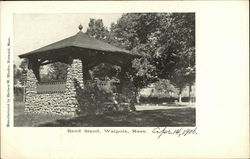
pixel 17 74
pixel 133 32
pixel 20 72
pixel 55 72
pixel 97 30
pixel 164 86
pixel 167 43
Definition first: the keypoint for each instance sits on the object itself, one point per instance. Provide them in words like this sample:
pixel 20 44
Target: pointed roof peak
pixel 80 27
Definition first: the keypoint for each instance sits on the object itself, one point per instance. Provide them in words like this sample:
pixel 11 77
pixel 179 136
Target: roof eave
pixel 37 53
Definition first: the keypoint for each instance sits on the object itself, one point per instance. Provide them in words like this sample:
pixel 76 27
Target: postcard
pixel 125 79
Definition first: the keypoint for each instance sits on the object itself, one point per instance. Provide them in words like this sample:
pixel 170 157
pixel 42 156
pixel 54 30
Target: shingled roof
pixel 80 40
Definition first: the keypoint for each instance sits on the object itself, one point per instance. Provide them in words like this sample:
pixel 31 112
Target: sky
pixel 32 31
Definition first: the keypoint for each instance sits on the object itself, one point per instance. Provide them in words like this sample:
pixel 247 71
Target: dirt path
pixel 157 107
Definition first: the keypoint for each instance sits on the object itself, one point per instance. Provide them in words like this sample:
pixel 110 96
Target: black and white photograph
pixel 104 70
pixel 124 79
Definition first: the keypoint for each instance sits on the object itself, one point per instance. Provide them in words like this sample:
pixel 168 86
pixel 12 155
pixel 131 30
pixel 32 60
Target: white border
pixel 222 40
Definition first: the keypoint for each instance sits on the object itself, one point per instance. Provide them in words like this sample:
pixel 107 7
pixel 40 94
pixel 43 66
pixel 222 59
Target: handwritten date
pixel 179 132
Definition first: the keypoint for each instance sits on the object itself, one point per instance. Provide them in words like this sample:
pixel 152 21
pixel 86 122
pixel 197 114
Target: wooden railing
pixel 59 87
pixel 51 87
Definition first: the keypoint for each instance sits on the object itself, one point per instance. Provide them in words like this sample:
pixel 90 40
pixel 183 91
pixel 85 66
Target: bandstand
pixel 81 53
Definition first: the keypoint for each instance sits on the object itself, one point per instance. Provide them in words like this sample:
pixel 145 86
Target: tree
pixel 17 74
pixel 97 30
pixel 165 87
pixel 166 42
pixel 56 72
pixel 20 78
pixel 133 32
pixel 134 29
pixel 24 65
pixel 187 65
pixel 142 74
pixel 20 72
pixel 175 53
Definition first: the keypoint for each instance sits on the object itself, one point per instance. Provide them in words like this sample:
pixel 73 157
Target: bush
pixel 95 100
pixel 18 94
pixel 91 98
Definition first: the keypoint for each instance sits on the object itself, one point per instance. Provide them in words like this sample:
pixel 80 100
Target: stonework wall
pixel 75 99
pixel 55 103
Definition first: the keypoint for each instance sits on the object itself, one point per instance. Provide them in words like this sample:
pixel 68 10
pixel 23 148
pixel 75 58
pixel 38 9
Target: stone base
pixel 64 103
pixel 77 99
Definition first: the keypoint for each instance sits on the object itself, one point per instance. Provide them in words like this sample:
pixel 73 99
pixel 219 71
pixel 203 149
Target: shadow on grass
pixel 144 118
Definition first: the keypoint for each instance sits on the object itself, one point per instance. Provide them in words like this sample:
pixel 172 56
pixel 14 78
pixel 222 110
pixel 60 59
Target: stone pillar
pixel 74 86
pixel 31 91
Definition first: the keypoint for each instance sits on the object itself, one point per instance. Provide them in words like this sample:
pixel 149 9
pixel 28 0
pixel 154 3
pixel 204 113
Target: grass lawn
pixel 184 116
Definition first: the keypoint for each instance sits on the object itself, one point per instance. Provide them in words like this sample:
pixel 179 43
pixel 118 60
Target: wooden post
pixel 35 66
pixel 85 70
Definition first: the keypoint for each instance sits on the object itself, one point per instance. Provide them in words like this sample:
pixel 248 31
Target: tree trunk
pixel 138 96
pixel 180 101
pixel 190 90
